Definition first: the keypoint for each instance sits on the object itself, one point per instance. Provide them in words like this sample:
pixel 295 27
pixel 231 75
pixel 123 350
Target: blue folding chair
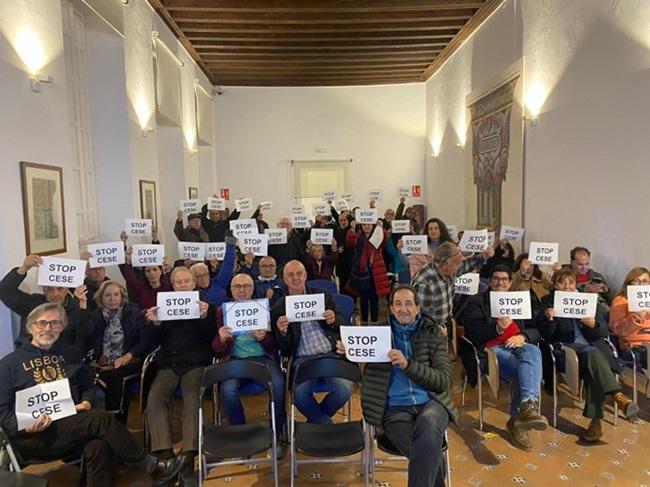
pixel 345 304
pixel 324 284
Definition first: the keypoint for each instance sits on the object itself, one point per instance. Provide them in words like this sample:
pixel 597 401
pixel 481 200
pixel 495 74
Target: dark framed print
pixel 148 202
pixel 43 208
pixel 193 193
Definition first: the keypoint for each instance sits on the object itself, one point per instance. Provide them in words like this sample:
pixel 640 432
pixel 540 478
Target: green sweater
pixel 429 368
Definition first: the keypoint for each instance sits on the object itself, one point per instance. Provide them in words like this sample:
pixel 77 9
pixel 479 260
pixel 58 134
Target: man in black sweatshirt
pixel 91 432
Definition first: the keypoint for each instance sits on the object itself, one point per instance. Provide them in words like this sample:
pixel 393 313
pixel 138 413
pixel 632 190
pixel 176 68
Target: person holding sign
pixel 588 337
pixel 145 291
pixel 95 276
pixel 369 277
pixel 233 342
pixel 79 330
pixel 217 222
pixel 632 327
pixel 529 277
pixel 408 214
pixel 437 234
pixel 193 232
pixel 589 280
pixel 504 254
pixel 520 361
pixel 44 358
pixel 292 250
pixel 409 397
pixel 307 340
pixel 215 291
pixel 318 265
pixel 121 341
pixel 184 352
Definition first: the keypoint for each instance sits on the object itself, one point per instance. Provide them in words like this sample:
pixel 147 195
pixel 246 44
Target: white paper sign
pixel 145 255
pixel 51 398
pixel 415 244
pixel 511 233
pixel 266 205
pixel 215 250
pixel 258 244
pixel 247 316
pixel 244 204
pixel 453 231
pixel 298 209
pixel 322 236
pixel 467 284
pixel 300 221
pixel 216 204
pixel 191 250
pixel 376 194
pixel 137 227
pixel 473 241
pixel 347 197
pixel 403 192
pixel 320 209
pixel 341 205
pixel 305 307
pixel 277 236
pixel 329 195
pixel 377 236
pixel 400 226
pixel 515 304
pixel 190 206
pixel 491 238
pixel 366 343
pixel 179 305
pixel 246 226
pixel 544 253
pixel 60 272
pixel 638 298
pixel 368 215
pixel 575 304
pixel 105 254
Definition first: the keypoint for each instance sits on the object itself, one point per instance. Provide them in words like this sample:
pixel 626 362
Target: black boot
pixel 162 471
pixel 186 475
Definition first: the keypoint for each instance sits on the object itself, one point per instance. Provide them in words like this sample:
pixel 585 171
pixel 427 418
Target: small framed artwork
pixel 148 203
pixel 43 208
pixel 193 193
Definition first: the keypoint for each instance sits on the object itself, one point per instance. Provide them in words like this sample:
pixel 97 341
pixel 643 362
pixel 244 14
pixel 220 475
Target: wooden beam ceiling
pixel 321 42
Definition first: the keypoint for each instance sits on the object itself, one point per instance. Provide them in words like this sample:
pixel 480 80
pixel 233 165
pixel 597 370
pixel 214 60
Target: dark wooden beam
pixel 312 82
pixel 322 27
pixel 255 56
pixel 282 46
pixel 320 37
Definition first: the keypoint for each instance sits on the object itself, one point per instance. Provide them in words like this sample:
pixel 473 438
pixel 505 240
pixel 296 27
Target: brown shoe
pixel 594 432
pixel 518 436
pixel 628 406
pixel 528 416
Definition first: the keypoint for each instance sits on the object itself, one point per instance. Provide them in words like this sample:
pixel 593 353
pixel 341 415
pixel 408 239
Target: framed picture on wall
pixel 148 203
pixel 43 208
pixel 193 193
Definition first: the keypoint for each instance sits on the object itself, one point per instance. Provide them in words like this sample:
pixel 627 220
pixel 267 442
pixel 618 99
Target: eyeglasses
pixel 54 324
pixel 241 287
pixel 500 279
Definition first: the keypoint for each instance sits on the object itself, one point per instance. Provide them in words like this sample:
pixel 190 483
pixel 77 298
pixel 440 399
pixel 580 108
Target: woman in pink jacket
pixel 631 328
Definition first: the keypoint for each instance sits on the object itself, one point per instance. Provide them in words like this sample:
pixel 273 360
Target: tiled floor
pixel 477 458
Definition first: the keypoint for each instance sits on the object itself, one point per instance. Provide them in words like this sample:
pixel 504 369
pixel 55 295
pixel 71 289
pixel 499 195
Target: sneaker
pixel 518 436
pixel 165 470
pixel 628 406
pixel 594 431
pixel 529 417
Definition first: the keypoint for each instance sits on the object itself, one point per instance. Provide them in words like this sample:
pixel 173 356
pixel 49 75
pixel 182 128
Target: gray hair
pixel 41 309
pixel 444 252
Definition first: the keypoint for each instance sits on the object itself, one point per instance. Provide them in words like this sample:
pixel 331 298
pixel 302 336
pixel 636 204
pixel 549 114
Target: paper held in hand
pixel 52 398
pixel 575 304
pixel 638 298
pixel 179 305
pixel 366 343
pixel 305 307
pixel 474 241
pixel 467 284
pixel 106 254
pixel 514 304
pixel 60 272
pixel 247 316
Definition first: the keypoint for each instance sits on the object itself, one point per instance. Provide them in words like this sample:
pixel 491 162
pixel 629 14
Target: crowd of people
pixel 101 332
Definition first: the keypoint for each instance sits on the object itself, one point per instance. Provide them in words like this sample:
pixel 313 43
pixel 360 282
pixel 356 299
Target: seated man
pixel 520 360
pixel 215 291
pixel 308 340
pixel 79 331
pixel 43 358
pixel 95 276
pixel 268 284
pixel 589 281
pixel 184 353
pixel 257 346
pixel 408 399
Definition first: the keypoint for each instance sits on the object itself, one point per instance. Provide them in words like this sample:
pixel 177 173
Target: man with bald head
pixel 308 340
pixel 268 284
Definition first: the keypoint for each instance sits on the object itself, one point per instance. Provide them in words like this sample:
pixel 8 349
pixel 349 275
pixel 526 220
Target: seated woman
pixel 631 328
pixel 145 293
pixel 587 337
pixel 529 277
pixel 257 346
pixel 121 341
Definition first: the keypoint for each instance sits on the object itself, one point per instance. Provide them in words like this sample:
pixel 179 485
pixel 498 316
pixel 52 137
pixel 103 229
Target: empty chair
pixel 323 284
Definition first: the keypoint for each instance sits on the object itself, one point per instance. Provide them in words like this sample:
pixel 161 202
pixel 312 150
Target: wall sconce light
pixel 460 147
pixel 434 156
pixel 532 120
pixel 147 130
pixel 124 2
pixel 194 150
pixel 36 82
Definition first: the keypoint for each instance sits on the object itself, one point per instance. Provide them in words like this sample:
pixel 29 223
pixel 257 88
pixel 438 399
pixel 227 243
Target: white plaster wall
pixel 259 130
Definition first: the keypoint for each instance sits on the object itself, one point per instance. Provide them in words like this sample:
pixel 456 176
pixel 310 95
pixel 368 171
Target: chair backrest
pixel 237 369
pixel 326 367
pixel 324 284
pixel 345 304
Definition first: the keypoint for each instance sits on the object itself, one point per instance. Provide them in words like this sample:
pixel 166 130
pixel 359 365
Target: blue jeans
pixel 339 393
pixel 523 366
pixel 230 393
pixel 418 433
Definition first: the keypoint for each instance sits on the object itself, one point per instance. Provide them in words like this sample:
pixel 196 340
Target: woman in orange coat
pixel 631 328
